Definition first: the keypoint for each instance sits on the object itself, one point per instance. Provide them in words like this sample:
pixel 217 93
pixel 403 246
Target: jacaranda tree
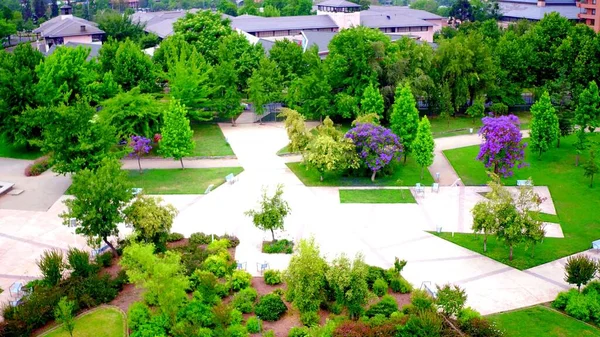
pixel 140 145
pixel 375 145
pixel 502 148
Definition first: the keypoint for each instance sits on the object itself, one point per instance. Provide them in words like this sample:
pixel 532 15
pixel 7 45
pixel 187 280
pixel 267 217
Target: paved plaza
pixel 378 231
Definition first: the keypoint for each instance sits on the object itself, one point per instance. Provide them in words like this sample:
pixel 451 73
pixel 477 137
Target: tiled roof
pixel 548 2
pixel 392 10
pixel 67 25
pixel 392 20
pixel 260 24
pixel 94 48
pixel 533 12
pixel 338 4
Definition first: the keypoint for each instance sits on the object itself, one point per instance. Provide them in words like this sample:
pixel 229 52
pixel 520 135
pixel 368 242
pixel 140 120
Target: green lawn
pixel 541 321
pixel 575 202
pixel 404 175
pixel 210 141
pixel 177 181
pixel 440 127
pixel 378 196
pixel 104 321
pixel 17 152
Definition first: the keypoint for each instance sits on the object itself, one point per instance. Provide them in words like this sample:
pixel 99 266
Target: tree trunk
pixel 112 248
pixel 181 161
pixel 558 142
pixel 321 177
pixel 511 253
pixel 273 235
pixel 496 168
pixel 232 121
pixel 373 176
pixel 540 154
pixel 484 243
pixel 577 160
pixel 592 181
pixel 140 166
pixel 405 154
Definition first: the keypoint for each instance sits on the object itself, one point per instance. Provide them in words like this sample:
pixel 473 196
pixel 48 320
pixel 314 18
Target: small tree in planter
pixel 580 269
pixel 273 211
pixel 64 315
pixel 140 146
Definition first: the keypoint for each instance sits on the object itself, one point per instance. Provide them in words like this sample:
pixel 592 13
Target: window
pixel 593 12
pixel 281 33
pixel 96 38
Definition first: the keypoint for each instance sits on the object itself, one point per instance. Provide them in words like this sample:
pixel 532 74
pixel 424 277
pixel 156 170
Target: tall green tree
pixel 272 213
pixel 99 197
pixel 591 167
pixel 587 114
pixel 404 120
pixel 18 80
pixel 75 140
pixel 327 154
pixel 119 26
pixel 305 277
pixel 176 133
pixel 236 48
pixel 544 125
pixel 150 220
pixel 297 132
pixel 264 86
pixel 133 68
pixel 63 313
pixel 348 281
pixel 423 145
pixel 204 30
pixel 227 99
pixel 372 101
pixel 7 29
pixel 288 56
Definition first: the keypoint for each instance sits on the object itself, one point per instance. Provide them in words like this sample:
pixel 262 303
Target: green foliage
pixel 580 269
pixel 240 279
pixel 451 299
pixel 79 262
pixel 138 315
pixel 204 282
pixel 578 307
pixel 254 325
pixel 423 145
pixel 465 315
pixel 587 114
pixel 104 259
pixel 151 220
pixel 176 133
pixel 404 119
pixel 371 101
pixel 562 299
pixel 63 313
pixel 119 26
pixel 288 56
pixel 269 333
pixel 385 307
pixel 544 125
pixel 400 285
pixel 296 130
pixel 346 105
pixel 305 277
pixel 219 264
pixel 51 266
pixel 133 113
pixel 283 246
pixel 591 167
pixel 348 280
pixel 298 331
pixel 172 237
pixel 477 109
pixel 74 139
pixel 273 277
pixel 161 277
pixel 264 86
pixel 499 109
pixel 106 189
pixel 204 30
pixel 270 307
pixel 380 287
pixel 131 68
pixel 421 300
pixel 327 154
pixel 273 211
pixel 310 318
pixel 426 323
pixel 244 300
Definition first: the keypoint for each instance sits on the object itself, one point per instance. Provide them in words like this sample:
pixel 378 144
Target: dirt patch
pixel 179 243
pixel 402 299
pixel 114 268
pixel 127 296
pixel 283 325
pixel 262 288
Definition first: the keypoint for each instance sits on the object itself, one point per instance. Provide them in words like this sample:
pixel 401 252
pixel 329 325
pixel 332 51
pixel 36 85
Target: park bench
pixel 136 190
pixel 209 188
pixel 240 265
pixel 524 183
pixel 100 250
pixel 230 178
pixel 435 188
pixel 596 244
pixel 261 267
pixel 419 189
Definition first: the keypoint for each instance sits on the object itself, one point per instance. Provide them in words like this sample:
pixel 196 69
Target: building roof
pixel 338 4
pixel 94 48
pixel 266 44
pixel 548 2
pixel 322 39
pixel 533 12
pixel 260 24
pixel 392 20
pixel 161 23
pixel 393 10
pixel 67 25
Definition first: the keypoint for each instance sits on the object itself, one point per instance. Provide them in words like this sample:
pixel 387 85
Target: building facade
pixel 67 28
pixel 590 13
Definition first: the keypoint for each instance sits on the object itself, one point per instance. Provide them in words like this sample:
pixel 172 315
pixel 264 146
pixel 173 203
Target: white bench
pixel 435 188
pixel 524 183
pixel 100 250
pixel 230 178
pixel 419 189
pixel 240 265
pixel 209 188
pixel 136 190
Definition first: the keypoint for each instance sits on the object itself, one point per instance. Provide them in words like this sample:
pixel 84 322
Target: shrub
pixel 336 308
pixel 79 262
pixel 172 237
pixel 192 257
pixel 592 286
pixel 480 327
pixel 298 331
pixel 421 300
pixel 579 270
pixel 218 265
pixel 38 167
pixel 269 333
pixel 578 307
pixel 196 312
pixel 426 323
pixel 562 299
pixel 222 289
pixel 236 317
pixel 451 299
pixel 380 287
pixel 400 285
pixel 240 279
pixel 499 109
pixel 310 318
pixel 353 329
pixel 385 307
pixel 218 246
pixel 254 325
pixel 233 240
pixel 204 282
pixel 374 274
pixel 121 280
pixel 237 330
pixel 200 239
pixel 273 277
pixel 138 315
pixel 465 315
pixel 51 266
pixel 104 260
pixel 244 300
pixel 204 332
pixel 280 246
pixel 270 307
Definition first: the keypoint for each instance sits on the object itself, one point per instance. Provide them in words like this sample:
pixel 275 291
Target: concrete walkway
pixel 159 163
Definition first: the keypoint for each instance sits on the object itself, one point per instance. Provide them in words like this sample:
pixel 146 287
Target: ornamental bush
pixel 236 317
pixel 385 307
pixel 400 285
pixel 270 307
pixel 51 266
pixel 79 262
pixel 502 147
pixel 298 331
pixel 254 325
pixel 376 146
pixel 174 237
pixel 244 300
pixel 310 318
pixel 380 287
pixel 465 315
pixel 578 307
pixel 273 277
pixel 237 330
pixel 218 265
pixel 137 315
pixel 562 299
pixel 240 279
pixel 373 274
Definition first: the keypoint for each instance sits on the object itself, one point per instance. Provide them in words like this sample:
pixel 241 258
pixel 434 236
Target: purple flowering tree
pixel 139 146
pixel 375 145
pixel 501 148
